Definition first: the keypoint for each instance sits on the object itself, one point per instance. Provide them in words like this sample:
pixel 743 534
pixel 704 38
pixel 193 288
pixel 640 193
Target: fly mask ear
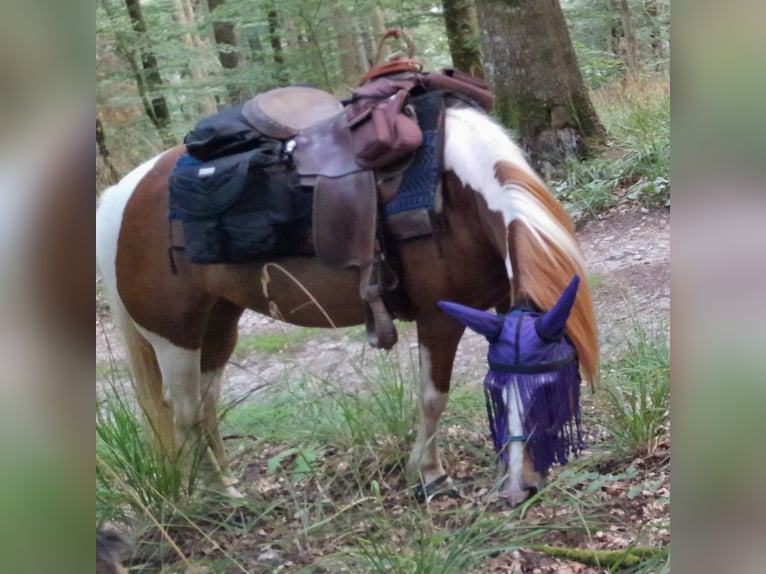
pixel 482 322
pixel 551 326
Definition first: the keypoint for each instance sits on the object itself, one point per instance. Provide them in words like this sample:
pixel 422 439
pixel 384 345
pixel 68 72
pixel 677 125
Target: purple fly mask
pixel 528 350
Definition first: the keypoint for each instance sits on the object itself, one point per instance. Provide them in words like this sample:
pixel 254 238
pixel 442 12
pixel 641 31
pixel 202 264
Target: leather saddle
pixel 345 197
pixel 283 113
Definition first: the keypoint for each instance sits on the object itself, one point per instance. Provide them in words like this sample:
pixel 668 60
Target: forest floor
pixel 628 255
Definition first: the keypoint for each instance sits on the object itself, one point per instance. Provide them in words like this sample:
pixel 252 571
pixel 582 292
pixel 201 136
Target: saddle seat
pixel 282 113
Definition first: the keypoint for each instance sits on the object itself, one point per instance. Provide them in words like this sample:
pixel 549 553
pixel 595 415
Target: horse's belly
pixel 297 290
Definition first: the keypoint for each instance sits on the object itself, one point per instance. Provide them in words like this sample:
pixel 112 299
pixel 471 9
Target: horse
pixel 502 238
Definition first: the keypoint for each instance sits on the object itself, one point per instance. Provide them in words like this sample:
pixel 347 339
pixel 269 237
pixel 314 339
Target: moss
pixel 587 122
pixel 602 558
pixel 523 114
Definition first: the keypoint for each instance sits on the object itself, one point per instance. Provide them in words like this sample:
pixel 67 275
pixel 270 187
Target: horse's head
pixel 532 390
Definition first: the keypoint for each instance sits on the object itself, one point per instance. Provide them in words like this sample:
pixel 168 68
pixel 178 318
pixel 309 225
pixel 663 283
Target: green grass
pixel 380 406
pixel 638 393
pixel 636 165
pixel 595 280
pixel 130 473
pixel 325 458
pixel 432 549
pixel 274 342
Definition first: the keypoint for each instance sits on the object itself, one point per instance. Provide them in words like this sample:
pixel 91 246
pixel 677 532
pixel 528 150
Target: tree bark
pixel 539 92
pixel 103 151
pixel 347 39
pixel 149 80
pixel 630 50
pixel 655 35
pixel 225 36
pixel 280 74
pixel 200 66
pixel 379 24
pixel 463 36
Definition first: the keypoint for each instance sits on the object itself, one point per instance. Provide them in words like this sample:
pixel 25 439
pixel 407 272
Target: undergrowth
pixel 321 461
pixel 635 166
pixel 638 393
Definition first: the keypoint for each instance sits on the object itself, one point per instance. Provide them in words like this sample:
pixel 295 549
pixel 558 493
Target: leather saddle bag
pixel 381 131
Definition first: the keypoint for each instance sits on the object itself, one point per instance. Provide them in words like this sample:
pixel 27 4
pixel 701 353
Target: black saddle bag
pixel 239 208
pixel 222 134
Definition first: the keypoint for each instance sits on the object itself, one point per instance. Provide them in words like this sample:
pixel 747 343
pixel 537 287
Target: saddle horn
pixel 551 325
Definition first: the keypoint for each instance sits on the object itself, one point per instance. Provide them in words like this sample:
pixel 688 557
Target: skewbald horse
pixel 503 238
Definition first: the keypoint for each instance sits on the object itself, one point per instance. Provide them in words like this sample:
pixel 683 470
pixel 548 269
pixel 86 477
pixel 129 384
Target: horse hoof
pixel 441 487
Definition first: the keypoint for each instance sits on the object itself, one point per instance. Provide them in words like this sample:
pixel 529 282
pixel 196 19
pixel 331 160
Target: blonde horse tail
pixel 147 383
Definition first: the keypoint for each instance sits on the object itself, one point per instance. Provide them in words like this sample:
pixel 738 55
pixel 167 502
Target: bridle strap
pixel 517 438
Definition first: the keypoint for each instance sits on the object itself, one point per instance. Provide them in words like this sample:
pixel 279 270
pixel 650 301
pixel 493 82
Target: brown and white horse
pixel 502 236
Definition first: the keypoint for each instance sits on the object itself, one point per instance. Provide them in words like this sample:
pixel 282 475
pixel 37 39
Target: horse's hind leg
pixel 438 338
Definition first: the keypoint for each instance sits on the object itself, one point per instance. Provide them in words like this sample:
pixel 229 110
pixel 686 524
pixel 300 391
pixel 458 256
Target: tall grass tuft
pixel 639 396
pixel 429 548
pixel 130 472
pixel 637 164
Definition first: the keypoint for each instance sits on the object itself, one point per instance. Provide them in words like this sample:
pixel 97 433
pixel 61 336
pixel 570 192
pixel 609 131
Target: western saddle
pixel 346 154
pixel 345 204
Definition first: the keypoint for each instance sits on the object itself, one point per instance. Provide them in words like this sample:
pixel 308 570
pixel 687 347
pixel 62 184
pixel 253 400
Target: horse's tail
pixel 542 254
pixel 147 377
pixel 147 382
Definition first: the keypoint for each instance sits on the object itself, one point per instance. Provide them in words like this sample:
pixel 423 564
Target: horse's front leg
pixel 438 338
pixel 217 346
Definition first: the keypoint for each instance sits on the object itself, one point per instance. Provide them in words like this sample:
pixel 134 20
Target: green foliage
pixel 639 394
pixel 595 27
pixel 637 165
pixel 195 84
pixel 273 342
pixel 130 472
pixel 589 187
pixel 598 67
pixel 434 550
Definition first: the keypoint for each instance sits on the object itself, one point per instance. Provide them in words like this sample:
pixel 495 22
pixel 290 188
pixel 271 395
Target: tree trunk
pixel 280 74
pixel 350 67
pixel 655 35
pixel 630 51
pixel 149 80
pixel 361 41
pixel 225 36
pixel 463 36
pixel 199 65
pixel 539 92
pixel 379 22
pixel 103 152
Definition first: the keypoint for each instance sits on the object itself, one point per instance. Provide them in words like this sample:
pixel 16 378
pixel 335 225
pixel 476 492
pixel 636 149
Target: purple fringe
pixel 550 413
